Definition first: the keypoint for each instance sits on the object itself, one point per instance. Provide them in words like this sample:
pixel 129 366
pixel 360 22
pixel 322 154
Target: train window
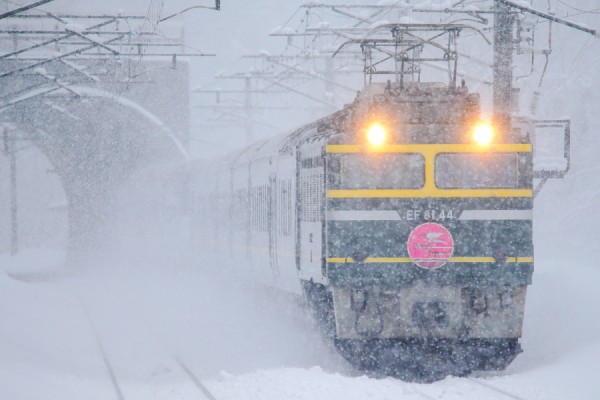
pixel 311 162
pixel 455 170
pixel 377 171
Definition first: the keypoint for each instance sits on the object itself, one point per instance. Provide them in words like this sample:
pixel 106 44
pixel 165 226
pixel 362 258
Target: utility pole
pixel 329 81
pixel 503 62
pixel 504 19
pixel 10 152
pixel 248 110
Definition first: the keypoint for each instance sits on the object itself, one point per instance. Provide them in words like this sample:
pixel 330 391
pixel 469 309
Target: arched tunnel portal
pixel 95 141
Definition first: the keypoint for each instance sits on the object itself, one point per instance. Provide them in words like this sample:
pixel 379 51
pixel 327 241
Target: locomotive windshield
pixel 454 170
pixel 376 171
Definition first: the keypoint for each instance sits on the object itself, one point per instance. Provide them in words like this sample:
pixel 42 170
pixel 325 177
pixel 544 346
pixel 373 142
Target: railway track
pixel 491 387
pixel 120 386
pixel 492 392
pixel 203 392
pixel 196 381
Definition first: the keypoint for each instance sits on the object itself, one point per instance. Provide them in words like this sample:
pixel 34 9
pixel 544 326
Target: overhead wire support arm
pixel 61 32
pixel 307 73
pixel 78 16
pixel 347 14
pixel 46 14
pixel 550 17
pixel 217 7
pixel 24 8
pixel 57 82
pixel 56 58
pixel 351 6
pixel 394 6
pixel 216 91
pixel 53 40
pixel 20 99
pixel 407 28
pixel 96 42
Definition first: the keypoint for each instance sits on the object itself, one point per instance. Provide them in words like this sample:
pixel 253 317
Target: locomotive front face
pixel 428 223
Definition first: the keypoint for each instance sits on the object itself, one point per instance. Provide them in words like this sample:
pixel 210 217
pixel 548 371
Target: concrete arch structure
pixel 95 140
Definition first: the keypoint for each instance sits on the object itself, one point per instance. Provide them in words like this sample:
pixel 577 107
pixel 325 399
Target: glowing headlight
pixel 376 135
pixel 483 133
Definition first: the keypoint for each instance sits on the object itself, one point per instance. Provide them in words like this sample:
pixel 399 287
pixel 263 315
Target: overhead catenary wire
pixel 594 11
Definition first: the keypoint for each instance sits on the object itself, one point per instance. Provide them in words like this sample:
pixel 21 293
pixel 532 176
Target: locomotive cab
pixel 427 230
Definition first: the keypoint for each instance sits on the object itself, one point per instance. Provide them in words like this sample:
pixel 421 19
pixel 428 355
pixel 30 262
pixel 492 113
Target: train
pixel 404 221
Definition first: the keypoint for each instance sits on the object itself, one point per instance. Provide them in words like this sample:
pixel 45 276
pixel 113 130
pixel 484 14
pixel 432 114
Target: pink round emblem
pixel 430 245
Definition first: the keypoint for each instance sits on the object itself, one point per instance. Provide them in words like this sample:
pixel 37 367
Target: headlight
pixel 376 134
pixel 483 133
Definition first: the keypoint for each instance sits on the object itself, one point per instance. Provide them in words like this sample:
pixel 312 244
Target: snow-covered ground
pixel 244 344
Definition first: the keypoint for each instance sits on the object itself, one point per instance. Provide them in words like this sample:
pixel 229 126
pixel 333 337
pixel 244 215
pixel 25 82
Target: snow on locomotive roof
pixel 378 88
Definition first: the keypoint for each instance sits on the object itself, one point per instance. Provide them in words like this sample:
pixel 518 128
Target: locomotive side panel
pixel 283 211
pixel 258 201
pixel 311 212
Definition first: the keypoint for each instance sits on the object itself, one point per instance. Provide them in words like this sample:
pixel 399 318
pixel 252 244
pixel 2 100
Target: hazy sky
pixel 242 27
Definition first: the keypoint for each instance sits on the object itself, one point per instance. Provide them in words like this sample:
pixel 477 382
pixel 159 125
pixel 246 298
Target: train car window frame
pixel 448 169
pixel 335 168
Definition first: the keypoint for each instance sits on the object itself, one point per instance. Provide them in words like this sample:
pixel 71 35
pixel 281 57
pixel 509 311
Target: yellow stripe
pixel 430 148
pixel 342 260
pixel 339 260
pixel 388 260
pixel 472 259
pixel 427 192
pixel 519 259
